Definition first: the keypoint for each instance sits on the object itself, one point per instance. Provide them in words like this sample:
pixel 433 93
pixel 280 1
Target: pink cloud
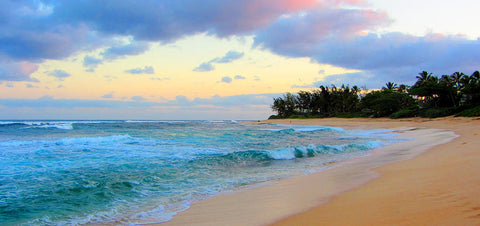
pixel 27 68
pixel 17 71
pixel 299 34
pixel 282 6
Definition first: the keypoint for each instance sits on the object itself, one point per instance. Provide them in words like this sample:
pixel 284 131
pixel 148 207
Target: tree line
pixel 431 96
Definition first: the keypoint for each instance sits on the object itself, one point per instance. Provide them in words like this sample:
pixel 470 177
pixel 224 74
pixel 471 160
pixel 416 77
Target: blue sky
pixel 217 59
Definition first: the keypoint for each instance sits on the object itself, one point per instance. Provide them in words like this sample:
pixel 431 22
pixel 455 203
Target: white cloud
pixel 229 57
pixel 227 79
pixel 138 98
pixel 145 70
pixel 203 67
pixel 60 74
pixel 108 95
pixel 91 63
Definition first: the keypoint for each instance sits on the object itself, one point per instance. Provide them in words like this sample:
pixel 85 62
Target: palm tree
pixel 402 88
pixel 476 75
pixel 475 83
pixel 447 87
pixel 390 86
pixel 458 78
pixel 471 88
pixel 279 107
pixel 355 89
pixel 304 99
pixel 325 99
pixel 427 87
pixel 424 76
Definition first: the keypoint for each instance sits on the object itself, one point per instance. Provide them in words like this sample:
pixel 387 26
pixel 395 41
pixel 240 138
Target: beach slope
pixel 439 187
pixel 431 179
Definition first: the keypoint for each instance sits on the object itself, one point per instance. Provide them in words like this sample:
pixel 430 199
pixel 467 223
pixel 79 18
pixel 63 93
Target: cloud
pixel 203 67
pixel 50 102
pixel 227 79
pixel 39 42
pixel 400 56
pixel 145 70
pixel 17 71
pixel 91 63
pixel 167 21
pixel 108 95
pixel 110 77
pixel 138 98
pixel 31 33
pixel 30 86
pixel 299 35
pixel 34 31
pixel 344 38
pixel 159 79
pixel 60 74
pixel 303 86
pixel 354 78
pixel 229 57
pixel 326 31
pixel 138 101
pixel 134 48
pixel 115 52
pixel 216 100
pixel 181 100
pixel 237 100
pixel 251 106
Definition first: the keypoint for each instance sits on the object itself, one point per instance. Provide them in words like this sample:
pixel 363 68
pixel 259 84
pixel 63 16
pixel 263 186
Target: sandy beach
pixel 431 179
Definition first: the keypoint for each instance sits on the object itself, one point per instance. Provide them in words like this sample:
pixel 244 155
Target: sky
pixel 217 59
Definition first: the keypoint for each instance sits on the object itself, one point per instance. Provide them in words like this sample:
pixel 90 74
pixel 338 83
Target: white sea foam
pixel 303 151
pixel 217 122
pixel 94 140
pixel 159 214
pixel 8 122
pixel 66 125
pixel 299 128
pixel 282 154
pixel 155 121
pixel 320 129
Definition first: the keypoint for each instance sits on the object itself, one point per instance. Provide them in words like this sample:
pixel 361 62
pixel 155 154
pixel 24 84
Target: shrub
pixel 472 112
pixel 273 117
pixel 404 113
pixel 351 115
pixel 296 116
pixel 384 103
pixel 438 112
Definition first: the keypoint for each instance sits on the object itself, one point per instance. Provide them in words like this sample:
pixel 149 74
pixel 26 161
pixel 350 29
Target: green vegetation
pixel 472 112
pixel 457 94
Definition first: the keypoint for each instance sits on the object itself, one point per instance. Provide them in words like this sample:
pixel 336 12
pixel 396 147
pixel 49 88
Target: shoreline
pixel 438 187
pixel 295 199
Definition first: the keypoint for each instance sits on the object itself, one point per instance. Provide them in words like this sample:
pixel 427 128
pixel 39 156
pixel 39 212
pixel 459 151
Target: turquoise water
pixel 127 172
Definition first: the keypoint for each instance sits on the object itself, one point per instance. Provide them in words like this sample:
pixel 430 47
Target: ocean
pixel 132 172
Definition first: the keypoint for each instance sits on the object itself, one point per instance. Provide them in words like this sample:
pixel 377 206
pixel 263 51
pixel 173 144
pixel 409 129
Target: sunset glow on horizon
pixel 216 59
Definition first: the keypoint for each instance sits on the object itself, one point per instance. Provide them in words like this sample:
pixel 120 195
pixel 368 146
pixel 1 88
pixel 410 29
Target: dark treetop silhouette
pixel 457 94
